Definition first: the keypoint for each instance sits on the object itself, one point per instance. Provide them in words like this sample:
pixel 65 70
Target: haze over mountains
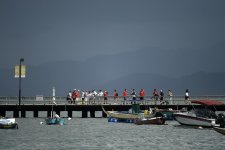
pixel 202 71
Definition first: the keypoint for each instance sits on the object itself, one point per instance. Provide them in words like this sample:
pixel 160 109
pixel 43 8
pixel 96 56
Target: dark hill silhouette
pixel 148 68
pixel 201 83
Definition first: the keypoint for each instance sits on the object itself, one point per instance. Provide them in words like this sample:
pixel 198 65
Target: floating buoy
pixel 200 127
pixel 41 122
pixel 69 118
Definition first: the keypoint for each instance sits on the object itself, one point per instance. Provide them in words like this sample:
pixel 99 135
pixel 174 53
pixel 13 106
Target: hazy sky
pixel 48 30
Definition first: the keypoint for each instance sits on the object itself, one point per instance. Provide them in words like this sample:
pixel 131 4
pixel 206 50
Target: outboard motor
pixel 221 120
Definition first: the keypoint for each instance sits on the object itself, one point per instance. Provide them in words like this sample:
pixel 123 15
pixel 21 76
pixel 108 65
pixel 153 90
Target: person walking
pixel 170 95
pixel 115 94
pixel 187 97
pixel 161 94
pixel 105 94
pixel 133 94
pixel 155 96
pixel 124 96
pixel 142 95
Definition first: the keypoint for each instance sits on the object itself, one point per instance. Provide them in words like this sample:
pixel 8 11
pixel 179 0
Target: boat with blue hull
pixel 120 120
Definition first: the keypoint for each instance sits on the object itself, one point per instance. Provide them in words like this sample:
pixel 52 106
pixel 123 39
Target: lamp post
pixel 21 60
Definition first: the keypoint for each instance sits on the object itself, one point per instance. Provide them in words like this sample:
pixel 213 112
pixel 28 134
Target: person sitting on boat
pixel 57 116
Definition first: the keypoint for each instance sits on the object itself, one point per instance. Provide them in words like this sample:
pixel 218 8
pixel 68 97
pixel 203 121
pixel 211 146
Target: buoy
pixel 69 118
pixel 41 122
pixel 200 127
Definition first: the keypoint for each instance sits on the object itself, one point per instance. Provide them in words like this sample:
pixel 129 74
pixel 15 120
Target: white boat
pixel 8 123
pixel 189 118
pixel 203 117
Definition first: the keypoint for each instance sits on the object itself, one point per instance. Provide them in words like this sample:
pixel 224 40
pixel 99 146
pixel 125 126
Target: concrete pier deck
pixel 37 104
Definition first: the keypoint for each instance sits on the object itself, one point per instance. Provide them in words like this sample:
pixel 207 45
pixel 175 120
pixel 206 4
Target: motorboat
pixel 203 117
pixel 8 123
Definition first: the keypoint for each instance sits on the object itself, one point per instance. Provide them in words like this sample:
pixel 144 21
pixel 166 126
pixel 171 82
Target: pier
pixel 89 108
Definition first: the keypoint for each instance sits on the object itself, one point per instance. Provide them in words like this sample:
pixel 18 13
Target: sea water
pixel 99 134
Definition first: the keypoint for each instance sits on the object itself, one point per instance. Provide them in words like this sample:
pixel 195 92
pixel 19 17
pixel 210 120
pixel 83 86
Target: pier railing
pixel 148 100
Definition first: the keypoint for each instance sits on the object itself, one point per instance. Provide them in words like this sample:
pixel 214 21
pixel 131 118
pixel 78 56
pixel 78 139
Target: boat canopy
pixel 207 102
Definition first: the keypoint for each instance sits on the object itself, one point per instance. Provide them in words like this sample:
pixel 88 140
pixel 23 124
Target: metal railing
pixel 148 100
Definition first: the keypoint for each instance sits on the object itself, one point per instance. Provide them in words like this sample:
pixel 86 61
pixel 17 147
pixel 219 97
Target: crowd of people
pixel 92 96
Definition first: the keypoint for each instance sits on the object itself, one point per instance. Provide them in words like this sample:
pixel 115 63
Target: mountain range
pixel 201 71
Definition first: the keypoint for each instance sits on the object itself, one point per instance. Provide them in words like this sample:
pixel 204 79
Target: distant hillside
pixel 202 71
pixel 199 83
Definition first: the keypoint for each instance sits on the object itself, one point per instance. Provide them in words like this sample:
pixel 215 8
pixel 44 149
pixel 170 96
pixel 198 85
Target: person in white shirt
pixel 170 94
pixel 57 116
pixel 100 95
pixel 187 97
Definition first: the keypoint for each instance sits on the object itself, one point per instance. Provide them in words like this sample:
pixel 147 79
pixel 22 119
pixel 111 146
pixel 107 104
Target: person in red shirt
pixel 78 95
pixel 74 96
pixel 105 94
pixel 124 95
pixel 142 94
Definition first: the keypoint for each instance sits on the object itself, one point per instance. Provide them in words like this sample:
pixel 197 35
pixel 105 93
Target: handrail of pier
pixel 148 100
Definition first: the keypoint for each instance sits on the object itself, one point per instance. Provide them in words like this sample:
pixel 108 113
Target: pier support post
pixel 84 114
pixel 23 113
pixel 48 114
pixel 70 114
pixel 92 114
pixel 104 115
pixel 35 114
pixel 16 113
pixel 2 113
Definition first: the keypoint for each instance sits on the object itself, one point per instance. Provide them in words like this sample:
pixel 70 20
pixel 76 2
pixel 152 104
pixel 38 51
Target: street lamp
pixel 21 60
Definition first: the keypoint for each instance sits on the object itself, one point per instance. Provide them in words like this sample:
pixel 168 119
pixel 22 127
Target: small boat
pixel 152 120
pixel 157 118
pixel 203 117
pixel 220 130
pixel 120 114
pixel 8 123
pixel 55 121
